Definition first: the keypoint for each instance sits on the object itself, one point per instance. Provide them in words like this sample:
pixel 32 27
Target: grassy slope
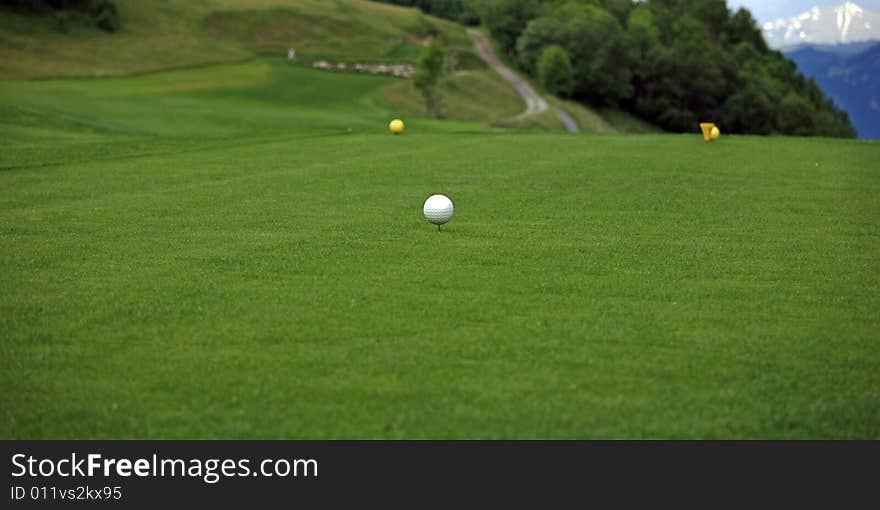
pixel 471 95
pixel 188 256
pixel 160 35
pixel 155 36
pixel 342 30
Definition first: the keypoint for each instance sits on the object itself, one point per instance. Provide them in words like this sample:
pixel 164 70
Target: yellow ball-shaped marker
pixel 396 126
pixel 715 133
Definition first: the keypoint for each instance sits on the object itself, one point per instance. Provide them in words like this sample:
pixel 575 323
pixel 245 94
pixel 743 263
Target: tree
pixel 749 110
pixel 429 70
pixel 712 13
pixel 706 73
pixel 555 71
pixel 743 28
pixel 506 19
pixel 795 116
pixel 539 34
pixel 619 8
pixel 642 28
pixel 645 39
pixel 601 53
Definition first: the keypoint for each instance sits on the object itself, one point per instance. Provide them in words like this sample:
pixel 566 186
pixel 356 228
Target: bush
pixel 555 71
pixel 429 70
pixel 539 34
pixel 796 116
pixel 106 16
pixel 506 20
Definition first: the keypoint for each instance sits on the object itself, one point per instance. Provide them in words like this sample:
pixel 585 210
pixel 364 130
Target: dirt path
pixel 535 104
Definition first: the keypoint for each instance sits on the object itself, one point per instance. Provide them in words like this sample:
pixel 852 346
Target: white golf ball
pixel 438 209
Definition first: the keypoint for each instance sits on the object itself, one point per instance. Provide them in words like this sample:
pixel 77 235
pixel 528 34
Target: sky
pixel 770 10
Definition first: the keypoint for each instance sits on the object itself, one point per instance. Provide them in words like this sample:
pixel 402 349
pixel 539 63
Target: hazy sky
pixel 769 10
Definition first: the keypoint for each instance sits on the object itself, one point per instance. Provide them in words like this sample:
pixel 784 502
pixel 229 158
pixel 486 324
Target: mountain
pixel 843 24
pixel 850 75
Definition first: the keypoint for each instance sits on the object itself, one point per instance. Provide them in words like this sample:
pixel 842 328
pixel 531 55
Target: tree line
pixel 100 13
pixel 672 62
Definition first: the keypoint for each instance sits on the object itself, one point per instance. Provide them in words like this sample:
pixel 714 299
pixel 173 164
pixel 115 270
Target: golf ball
pixel 396 126
pixel 438 209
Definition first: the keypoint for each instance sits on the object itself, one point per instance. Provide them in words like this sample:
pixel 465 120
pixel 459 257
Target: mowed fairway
pixel 239 252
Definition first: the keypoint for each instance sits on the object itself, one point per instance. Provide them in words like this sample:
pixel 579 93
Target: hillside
pixel 850 77
pixel 167 35
pixel 674 64
pixel 162 35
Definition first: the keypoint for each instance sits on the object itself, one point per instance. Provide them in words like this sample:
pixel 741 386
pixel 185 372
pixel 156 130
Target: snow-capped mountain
pixel 845 23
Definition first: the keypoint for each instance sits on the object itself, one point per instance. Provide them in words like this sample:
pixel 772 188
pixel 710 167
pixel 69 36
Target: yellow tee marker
pixel 396 126
pixel 715 133
pixel 706 128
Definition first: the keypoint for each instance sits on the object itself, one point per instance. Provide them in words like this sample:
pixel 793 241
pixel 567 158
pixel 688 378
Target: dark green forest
pixel 672 62
pixel 99 13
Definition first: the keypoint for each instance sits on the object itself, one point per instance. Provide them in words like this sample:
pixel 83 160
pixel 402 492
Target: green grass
pixel 471 96
pixel 211 253
pixel 606 120
pixel 54 121
pixel 624 122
